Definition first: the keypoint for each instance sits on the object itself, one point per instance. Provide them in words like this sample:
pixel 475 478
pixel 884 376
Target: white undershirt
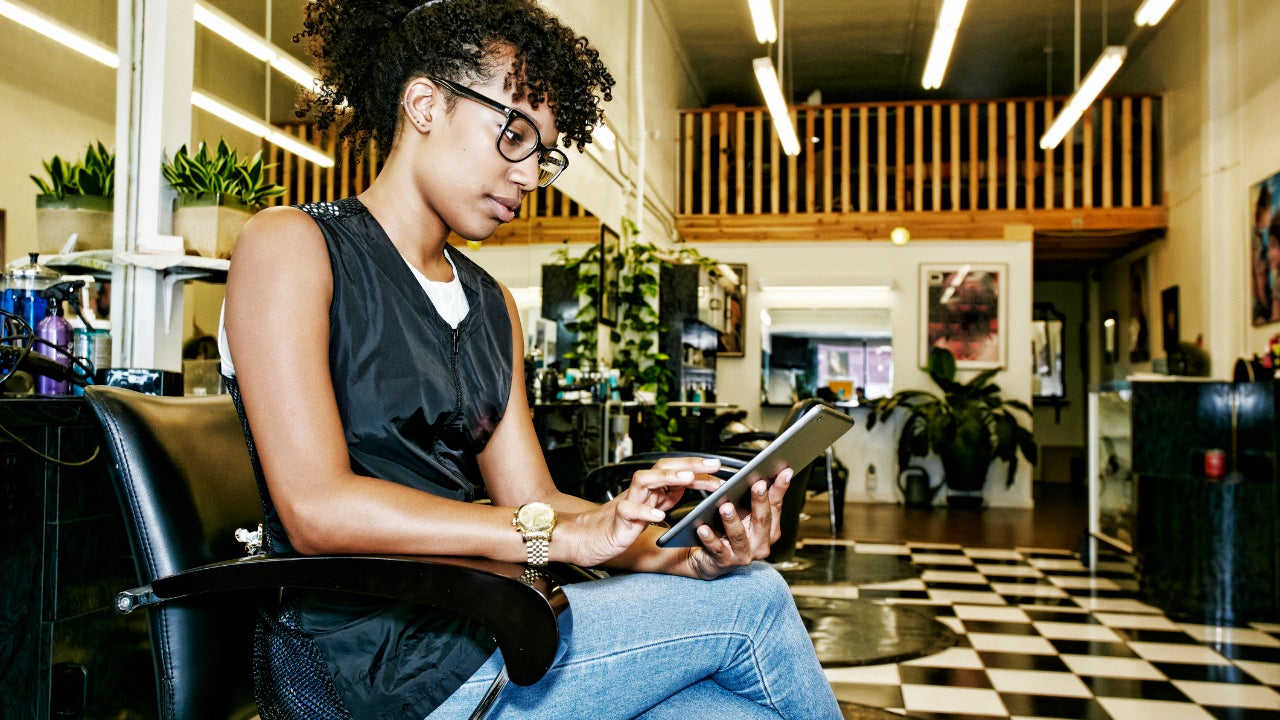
pixel 448 298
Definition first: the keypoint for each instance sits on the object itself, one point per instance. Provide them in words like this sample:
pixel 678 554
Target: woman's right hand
pixel 599 535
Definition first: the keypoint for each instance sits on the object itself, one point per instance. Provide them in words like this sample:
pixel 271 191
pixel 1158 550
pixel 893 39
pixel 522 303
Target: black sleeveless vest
pixel 418 400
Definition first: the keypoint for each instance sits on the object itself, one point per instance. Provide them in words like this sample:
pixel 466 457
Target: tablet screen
pixel 797 446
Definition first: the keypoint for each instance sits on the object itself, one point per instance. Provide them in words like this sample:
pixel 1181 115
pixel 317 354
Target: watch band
pixel 538 551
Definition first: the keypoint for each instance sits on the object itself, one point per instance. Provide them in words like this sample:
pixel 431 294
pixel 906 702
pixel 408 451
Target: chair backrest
pixel 185 484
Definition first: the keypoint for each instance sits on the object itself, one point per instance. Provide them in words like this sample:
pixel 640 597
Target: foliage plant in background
pixel 635 339
pixel 94 175
pixel 225 174
pixel 968 425
pixel 641 367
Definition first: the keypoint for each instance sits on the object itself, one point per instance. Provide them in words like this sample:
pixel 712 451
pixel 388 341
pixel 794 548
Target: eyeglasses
pixel 519 137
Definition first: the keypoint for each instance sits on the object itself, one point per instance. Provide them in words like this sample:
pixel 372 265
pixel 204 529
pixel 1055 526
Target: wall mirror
pixel 807 352
pixel 1046 353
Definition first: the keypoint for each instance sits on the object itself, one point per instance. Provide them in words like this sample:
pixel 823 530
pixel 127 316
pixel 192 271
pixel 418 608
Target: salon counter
pixel 1204 455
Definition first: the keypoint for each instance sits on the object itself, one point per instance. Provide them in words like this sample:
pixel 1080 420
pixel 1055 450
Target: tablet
pixel 797 446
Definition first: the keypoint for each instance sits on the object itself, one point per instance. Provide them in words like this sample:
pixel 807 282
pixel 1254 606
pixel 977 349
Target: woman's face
pixel 471 185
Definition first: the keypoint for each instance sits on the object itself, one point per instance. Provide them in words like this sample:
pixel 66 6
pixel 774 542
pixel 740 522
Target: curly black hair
pixel 367 51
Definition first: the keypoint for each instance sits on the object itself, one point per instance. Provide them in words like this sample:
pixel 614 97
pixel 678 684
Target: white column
pixel 156 41
pixel 1223 223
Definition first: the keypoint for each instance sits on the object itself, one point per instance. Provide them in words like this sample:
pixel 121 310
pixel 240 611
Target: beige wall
pixel 1214 61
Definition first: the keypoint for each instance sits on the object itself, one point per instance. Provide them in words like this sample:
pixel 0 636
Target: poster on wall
pixel 962 308
pixel 1264 251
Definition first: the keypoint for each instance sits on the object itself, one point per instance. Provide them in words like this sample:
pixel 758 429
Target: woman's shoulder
pixel 281 234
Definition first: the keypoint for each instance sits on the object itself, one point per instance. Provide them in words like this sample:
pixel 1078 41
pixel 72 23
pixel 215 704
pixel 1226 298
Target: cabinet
pixel 1113 492
pixel 64 554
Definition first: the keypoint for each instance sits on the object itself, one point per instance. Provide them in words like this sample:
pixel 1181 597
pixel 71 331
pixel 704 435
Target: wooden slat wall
pixel 307 182
pixel 920 157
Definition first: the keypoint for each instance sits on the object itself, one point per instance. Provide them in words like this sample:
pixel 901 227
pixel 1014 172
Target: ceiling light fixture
pixel 243 121
pixel 762 18
pixel 242 37
pixel 603 134
pixel 1151 12
pixel 59 33
pixel 768 79
pixel 944 36
pixel 1104 68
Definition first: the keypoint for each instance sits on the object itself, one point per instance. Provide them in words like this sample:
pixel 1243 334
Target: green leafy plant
pixel 201 176
pixel 93 175
pixel 641 366
pixel 968 426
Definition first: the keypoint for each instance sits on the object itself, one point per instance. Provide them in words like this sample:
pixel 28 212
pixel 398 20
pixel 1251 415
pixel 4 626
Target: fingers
pixel 691 473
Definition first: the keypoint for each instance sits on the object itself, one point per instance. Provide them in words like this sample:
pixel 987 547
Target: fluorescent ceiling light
pixel 1104 68
pixel 254 44
pixel 603 135
pixel 944 36
pixel 768 80
pixel 261 129
pixel 59 33
pixel 1151 12
pixel 762 18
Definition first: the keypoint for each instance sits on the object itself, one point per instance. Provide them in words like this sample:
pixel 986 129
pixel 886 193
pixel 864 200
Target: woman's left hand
pixel 746 538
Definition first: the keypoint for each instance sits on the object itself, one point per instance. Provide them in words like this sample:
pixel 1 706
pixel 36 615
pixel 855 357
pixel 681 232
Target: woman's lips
pixel 505 208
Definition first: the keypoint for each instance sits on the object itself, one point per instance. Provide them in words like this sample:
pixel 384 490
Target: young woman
pixel 392 389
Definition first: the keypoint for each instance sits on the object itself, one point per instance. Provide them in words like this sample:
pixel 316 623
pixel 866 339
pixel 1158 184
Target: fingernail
pixel 727 511
pixel 704 531
pixel 710 461
pixel 656 514
pixel 685 474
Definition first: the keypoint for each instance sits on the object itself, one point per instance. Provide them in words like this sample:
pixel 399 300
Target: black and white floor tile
pixel 1040 635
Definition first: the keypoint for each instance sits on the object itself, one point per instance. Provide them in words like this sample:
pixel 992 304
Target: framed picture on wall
pixel 610 268
pixel 1264 251
pixel 732 343
pixel 963 308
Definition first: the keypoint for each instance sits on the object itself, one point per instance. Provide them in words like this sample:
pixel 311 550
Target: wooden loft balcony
pixel 944 170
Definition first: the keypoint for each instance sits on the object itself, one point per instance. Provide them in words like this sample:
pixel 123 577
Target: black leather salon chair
pixel 186 484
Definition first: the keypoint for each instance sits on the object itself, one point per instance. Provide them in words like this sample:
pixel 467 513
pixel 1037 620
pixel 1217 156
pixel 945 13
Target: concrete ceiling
pixel 875 50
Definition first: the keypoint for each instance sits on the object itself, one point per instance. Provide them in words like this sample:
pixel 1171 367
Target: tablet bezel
pixel 796 447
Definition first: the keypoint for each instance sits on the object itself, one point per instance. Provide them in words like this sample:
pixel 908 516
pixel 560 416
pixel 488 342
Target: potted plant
pixel 216 196
pixel 76 198
pixel 968 426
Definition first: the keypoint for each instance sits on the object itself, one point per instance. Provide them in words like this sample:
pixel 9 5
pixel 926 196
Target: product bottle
pixel 55 335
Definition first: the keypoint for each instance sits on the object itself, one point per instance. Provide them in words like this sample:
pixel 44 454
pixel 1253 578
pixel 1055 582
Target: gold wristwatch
pixel 535 521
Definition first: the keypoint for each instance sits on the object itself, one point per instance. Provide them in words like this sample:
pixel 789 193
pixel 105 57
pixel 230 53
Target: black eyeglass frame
pixel 557 158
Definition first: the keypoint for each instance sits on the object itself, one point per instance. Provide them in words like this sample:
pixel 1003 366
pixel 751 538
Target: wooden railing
pixel 920 157
pixel 546 215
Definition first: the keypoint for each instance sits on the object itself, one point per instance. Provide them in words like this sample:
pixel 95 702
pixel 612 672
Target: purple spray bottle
pixel 54 335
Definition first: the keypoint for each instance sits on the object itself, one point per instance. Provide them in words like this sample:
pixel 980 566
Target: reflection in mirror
pixel 843 355
pixel 1046 352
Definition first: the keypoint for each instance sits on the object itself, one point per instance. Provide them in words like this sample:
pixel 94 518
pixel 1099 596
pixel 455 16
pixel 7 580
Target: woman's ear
pixel 418 103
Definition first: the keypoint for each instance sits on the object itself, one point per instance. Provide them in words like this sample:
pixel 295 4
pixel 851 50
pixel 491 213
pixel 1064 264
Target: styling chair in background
pixel 186 484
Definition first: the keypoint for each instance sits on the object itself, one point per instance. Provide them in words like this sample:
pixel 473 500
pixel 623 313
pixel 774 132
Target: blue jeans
pixel 657 646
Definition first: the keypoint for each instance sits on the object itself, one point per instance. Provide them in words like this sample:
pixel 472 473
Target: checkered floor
pixel 1043 636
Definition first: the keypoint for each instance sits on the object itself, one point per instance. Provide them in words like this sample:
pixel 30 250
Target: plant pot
pixel 960 500
pixel 210 225
pixel 89 217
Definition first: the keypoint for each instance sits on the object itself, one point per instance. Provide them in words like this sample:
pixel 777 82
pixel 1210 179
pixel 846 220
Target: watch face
pixel 537 516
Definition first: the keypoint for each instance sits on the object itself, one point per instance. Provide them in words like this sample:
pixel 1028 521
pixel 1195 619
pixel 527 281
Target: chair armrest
pixel 517 607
